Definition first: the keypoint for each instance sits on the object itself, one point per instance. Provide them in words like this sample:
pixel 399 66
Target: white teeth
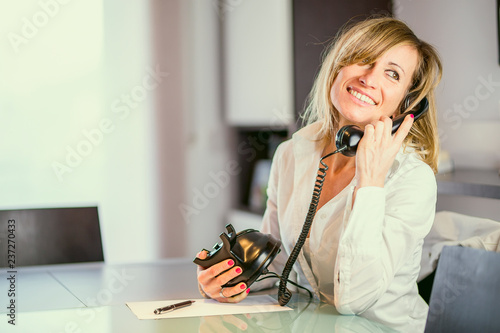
pixel 361 97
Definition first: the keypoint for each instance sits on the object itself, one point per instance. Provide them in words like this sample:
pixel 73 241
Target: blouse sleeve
pixel 270 221
pixel 381 234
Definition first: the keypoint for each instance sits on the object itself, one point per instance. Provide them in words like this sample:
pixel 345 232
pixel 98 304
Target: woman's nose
pixel 369 79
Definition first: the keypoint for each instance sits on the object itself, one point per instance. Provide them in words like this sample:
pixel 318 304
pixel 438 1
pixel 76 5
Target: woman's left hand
pixel 377 150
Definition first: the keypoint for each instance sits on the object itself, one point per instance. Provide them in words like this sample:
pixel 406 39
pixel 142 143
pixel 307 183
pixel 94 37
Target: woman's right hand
pixel 212 279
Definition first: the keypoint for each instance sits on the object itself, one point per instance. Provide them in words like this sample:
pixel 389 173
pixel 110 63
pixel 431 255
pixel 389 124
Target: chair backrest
pixel 50 236
pixel 465 296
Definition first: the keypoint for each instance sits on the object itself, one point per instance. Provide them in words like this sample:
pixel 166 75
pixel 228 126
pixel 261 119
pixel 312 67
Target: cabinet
pixel 257 63
pixel 470 192
pixel 476 183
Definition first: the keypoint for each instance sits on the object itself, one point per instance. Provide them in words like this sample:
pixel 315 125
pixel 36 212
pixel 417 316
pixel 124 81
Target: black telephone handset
pixel 350 135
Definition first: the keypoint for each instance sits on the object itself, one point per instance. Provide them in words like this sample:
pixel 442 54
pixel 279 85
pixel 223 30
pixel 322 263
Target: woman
pixel 364 247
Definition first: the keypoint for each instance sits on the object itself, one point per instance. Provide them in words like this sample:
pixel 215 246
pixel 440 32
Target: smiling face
pixel 362 93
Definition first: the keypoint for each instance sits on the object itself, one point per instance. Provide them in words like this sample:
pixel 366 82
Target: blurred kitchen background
pixel 166 113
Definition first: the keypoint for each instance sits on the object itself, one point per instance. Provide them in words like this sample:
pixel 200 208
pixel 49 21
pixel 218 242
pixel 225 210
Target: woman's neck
pixel 337 162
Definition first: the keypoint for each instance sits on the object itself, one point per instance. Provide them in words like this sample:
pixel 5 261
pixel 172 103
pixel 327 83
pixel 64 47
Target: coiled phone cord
pixel 284 294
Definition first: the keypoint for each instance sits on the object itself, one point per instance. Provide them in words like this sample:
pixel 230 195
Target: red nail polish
pixel 238 270
pixel 412 115
pixel 248 290
pixel 230 262
pixel 242 286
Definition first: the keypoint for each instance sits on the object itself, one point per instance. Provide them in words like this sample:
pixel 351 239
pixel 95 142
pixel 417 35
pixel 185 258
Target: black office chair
pixel 50 236
pixel 465 295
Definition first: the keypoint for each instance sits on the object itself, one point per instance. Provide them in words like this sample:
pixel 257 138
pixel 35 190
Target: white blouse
pixel 364 260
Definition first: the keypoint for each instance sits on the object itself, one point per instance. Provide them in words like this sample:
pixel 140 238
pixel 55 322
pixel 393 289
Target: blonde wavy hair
pixel 364 42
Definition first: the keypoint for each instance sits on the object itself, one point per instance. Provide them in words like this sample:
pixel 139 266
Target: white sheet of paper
pixel 207 307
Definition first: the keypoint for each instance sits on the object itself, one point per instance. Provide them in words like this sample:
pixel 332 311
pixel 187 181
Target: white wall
pixel 465 34
pixel 62 143
pixel 211 175
pixel 146 75
pixel 107 80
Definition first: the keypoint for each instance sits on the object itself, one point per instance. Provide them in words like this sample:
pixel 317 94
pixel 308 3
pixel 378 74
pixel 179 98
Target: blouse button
pixel 323 216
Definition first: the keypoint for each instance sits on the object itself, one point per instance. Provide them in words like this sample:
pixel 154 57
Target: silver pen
pixel 173 307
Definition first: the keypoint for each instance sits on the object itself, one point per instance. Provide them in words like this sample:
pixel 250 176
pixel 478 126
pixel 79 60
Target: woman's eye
pixel 365 62
pixel 393 74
